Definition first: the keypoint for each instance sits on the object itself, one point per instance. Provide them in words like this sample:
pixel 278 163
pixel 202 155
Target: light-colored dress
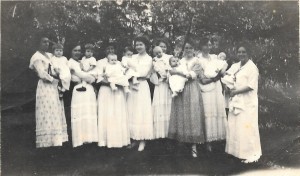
pixel 64 72
pixel 51 126
pixel 242 139
pixel 83 110
pixel 161 105
pixel 113 128
pixel 187 113
pixel 214 104
pixel 139 101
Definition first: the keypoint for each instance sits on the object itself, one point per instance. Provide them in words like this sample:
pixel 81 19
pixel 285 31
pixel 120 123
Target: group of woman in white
pixel 187 106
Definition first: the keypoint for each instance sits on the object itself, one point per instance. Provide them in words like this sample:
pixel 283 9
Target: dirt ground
pixel 281 150
pixel 280 146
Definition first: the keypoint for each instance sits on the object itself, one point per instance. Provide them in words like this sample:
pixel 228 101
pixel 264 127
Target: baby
pixel 212 70
pixel 127 63
pixel 222 56
pixel 236 104
pixel 88 64
pixel 177 82
pixel 60 66
pixel 159 65
pixel 115 73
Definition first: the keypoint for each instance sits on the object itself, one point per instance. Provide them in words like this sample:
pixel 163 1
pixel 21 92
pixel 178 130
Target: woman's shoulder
pixel 252 66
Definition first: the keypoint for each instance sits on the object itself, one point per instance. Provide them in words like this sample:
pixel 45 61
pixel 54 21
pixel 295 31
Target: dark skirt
pixel 187 115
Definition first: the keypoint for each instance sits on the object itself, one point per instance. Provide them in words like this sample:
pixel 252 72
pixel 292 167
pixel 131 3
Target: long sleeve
pixel 42 74
pixel 144 66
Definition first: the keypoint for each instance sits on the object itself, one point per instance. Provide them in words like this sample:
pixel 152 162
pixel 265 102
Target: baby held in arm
pixel 61 69
pixel 88 64
pixel 178 76
pixel 159 65
pixel 236 104
pixel 216 69
pixel 115 74
pixel 130 71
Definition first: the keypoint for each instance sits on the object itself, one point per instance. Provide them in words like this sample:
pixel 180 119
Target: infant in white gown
pixel 176 81
pixel 236 103
pixel 115 73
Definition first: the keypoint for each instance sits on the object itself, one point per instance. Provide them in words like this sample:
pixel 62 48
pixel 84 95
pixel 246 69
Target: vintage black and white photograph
pixel 152 87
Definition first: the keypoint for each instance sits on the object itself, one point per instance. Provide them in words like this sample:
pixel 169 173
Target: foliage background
pixel 271 29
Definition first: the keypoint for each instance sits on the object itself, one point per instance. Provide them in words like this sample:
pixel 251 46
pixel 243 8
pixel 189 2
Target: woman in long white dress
pixel 162 99
pixel 83 104
pixel 51 126
pixel 113 129
pixel 139 101
pixel 213 99
pixel 242 139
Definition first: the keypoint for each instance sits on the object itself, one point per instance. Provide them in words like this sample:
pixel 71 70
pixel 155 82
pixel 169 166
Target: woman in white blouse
pixel 139 101
pixel 113 130
pixel 242 138
pixel 213 99
pixel 51 127
pixel 83 104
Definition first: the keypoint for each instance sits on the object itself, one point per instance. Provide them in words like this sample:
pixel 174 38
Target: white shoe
pixel 141 146
pixel 194 151
pixel 251 160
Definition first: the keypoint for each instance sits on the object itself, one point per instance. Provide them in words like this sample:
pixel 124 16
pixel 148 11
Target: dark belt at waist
pixel 104 84
pixel 108 84
pixel 142 78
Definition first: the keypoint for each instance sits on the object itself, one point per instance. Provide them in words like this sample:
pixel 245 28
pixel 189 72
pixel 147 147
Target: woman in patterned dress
pixel 139 101
pixel 187 114
pixel 83 104
pixel 242 138
pixel 51 127
pixel 213 99
pixel 161 104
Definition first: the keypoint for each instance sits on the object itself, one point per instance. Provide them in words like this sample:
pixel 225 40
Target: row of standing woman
pixel 196 115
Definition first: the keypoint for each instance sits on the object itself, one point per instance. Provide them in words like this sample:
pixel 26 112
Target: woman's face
pixel 206 48
pixel 140 47
pixel 110 50
pixel 242 54
pixel 188 50
pixel 163 47
pixel 44 44
pixel 76 52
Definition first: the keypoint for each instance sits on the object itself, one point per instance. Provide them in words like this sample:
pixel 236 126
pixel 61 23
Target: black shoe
pixel 81 89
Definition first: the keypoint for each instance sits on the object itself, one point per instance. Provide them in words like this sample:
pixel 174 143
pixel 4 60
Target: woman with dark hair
pixel 83 103
pixel 213 99
pixel 187 114
pixel 161 105
pixel 51 127
pixel 242 138
pixel 139 101
pixel 164 45
pixel 113 129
